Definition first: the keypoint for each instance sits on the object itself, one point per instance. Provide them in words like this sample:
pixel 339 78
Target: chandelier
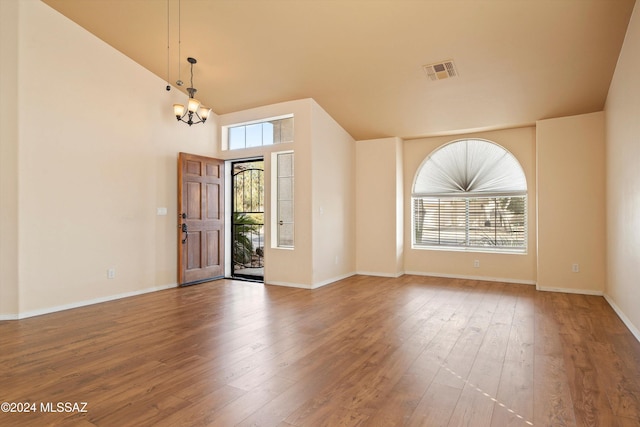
pixel 194 112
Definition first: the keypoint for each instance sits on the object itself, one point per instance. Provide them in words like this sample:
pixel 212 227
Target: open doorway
pixel 247 219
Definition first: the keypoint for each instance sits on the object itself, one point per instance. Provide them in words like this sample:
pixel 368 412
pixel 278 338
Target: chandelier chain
pixel 179 37
pixel 192 75
pixel 168 43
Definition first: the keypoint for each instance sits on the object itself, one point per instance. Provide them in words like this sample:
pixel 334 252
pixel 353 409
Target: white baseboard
pixel 332 280
pixel 379 274
pixel 48 310
pixel 309 286
pixel 483 278
pixel 288 284
pixel 8 317
pixel 570 291
pixel 634 330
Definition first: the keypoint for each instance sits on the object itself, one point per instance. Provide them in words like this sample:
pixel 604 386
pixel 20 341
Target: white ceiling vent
pixel 441 70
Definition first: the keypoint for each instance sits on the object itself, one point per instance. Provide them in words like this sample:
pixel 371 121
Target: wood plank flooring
pixel 365 351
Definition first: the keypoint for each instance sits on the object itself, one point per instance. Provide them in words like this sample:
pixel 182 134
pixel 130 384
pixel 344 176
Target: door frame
pixel 230 221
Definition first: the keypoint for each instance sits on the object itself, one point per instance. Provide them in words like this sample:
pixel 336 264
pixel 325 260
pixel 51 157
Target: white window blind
pixel 487 222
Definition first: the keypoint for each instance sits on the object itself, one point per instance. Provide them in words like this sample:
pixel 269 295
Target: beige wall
pixel 9 17
pixel 97 147
pixel 333 199
pixel 623 180
pixel 379 211
pixel 518 268
pixel 571 211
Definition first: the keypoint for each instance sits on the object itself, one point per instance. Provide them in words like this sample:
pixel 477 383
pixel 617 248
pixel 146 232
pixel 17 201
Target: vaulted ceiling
pixel 517 61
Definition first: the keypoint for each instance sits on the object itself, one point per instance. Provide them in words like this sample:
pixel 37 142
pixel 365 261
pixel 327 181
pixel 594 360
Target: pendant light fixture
pixel 193 109
pixel 194 112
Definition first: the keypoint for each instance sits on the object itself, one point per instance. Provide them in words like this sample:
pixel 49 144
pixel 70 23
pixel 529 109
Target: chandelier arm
pixel 200 119
pixel 182 118
pixel 190 120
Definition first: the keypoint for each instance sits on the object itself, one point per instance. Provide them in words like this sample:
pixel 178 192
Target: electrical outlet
pixel 575 268
pixel 476 263
pixel 111 273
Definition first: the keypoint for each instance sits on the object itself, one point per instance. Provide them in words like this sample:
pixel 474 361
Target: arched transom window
pixel 470 194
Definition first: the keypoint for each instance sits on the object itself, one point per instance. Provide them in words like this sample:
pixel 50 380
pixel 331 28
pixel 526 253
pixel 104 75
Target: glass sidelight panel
pixel 285 204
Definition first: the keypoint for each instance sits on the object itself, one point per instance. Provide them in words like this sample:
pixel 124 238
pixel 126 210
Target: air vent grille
pixel 440 70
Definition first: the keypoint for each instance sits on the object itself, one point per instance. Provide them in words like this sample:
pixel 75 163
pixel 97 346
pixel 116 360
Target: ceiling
pixel 517 61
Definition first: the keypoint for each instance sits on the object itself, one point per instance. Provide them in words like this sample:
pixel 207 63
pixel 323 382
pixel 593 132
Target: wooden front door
pixel 201 219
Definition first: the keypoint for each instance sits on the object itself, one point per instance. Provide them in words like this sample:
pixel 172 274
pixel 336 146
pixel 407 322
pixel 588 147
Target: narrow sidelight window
pixel 284 200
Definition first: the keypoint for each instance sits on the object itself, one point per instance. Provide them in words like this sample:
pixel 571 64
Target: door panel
pixel 213 170
pixel 193 167
pixel 194 207
pixel 213 249
pixel 193 251
pixel 201 204
pixel 213 195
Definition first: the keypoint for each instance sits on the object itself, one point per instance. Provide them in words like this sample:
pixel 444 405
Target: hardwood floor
pixel 365 351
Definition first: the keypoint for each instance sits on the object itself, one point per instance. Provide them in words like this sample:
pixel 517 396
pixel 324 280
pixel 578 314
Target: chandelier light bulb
pixel 204 112
pixel 178 110
pixel 194 104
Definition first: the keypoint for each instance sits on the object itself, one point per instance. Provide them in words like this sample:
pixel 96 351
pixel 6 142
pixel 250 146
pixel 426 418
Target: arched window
pixel 470 194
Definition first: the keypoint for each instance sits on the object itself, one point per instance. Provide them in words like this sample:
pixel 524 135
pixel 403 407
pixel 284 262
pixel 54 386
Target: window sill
pixel 471 250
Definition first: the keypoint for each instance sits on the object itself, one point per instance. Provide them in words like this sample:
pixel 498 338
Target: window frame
pixel 450 166
pixel 275 201
pixel 228 129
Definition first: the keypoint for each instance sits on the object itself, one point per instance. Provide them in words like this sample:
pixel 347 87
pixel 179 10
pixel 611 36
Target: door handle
pixel 280 223
pixel 186 234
